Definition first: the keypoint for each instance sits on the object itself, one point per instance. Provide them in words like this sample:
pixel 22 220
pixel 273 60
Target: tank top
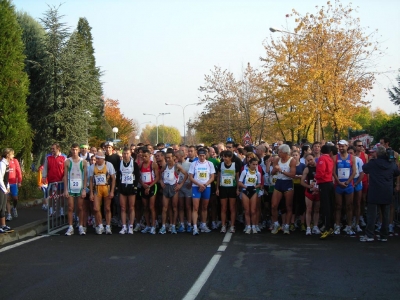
pixel 100 176
pixel 228 175
pixel 310 177
pixel 170 176
pixel 250 179
pixel 285 167
pixel 343 167
pixel 147 173
pixel 127 173
pixel 75 176
pixel 186 166
pixel 364 160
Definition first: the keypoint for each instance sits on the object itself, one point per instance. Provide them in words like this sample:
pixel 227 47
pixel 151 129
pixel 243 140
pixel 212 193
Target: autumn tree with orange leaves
pixel 115 118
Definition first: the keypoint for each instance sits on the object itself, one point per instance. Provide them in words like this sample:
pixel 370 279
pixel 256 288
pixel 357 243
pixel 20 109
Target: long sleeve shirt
pixel 324 169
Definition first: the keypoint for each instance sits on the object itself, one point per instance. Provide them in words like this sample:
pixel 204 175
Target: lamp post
pixel 115 130
pixel 184 122
pixel 160 114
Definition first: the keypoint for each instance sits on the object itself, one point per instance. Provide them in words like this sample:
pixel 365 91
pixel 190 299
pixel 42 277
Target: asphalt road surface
pixel 143 266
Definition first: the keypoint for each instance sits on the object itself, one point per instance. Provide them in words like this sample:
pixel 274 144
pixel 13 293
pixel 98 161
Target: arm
pixel 44 171
pixel 113 181
pixel 353 170
pixel 65 179
pixel 259 180
pixel 18 172
pixel 91 186
pixel 84 179
pixel 292 172
pixel 241 178
pixel 156 174
pixel 303 181
pixel 218 183
pixel 275 165
pixel 137 175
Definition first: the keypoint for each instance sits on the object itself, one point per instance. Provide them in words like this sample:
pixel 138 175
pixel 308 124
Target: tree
pixel 15 131
pixel 115 118
pixel 166 134
pixel 394 93
pixel 145 135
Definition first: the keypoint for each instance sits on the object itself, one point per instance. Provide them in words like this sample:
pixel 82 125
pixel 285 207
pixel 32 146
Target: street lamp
pixel 115 130
pixel 272 29
pixel 184 122
pixel 160 114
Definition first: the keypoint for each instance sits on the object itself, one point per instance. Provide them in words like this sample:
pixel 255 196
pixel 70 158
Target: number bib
pixel 146 177
pixel 343 173
pixel 127 178
pixel 100 179
pixel 75 184
pixel 202 175
pixel 226 180
pixel 250 180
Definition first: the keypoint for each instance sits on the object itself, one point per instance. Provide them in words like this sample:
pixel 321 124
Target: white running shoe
pixel 100 229
pixel 258 228
pixel 137 228
pixel 152 230
pixel 205 229
pixel 123 230
pixel 130 229
pixel 337 229
pixel 214 225
pixel 308 231
pixel 146 230
pixel 232 229
pixel 286 229
pixel 108 229
pixel 358 228
pixel 82 230
pixel 254 229
pixel 316 230
pixel 70 231
pixel 362 222
pixel 248 230
pixel 8 218
pixel 223 229
pixel 195 231
pixel 275 228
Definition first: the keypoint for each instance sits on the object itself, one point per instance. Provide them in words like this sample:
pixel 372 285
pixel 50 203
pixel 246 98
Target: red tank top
pixel 147 173
pixel 364 160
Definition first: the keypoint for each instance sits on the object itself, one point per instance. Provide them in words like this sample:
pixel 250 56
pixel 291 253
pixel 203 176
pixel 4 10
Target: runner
pixel 316 150
pixel 360 152
pixel 201 174
pixel 148 180
pixel 75 172
pixel 115 160
pixel 192 154
pixel 102 185
pixel 285 168
pixel 169 183
pixel 7 155
pixel 344 170
pixel 299 205
pixel 128 175
pixel 249 182
pixel 227 188
pixel 15 181
pixel 84 153
pixel 311 194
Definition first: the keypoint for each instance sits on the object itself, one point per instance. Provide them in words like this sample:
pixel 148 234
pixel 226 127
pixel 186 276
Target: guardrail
pixel 57 208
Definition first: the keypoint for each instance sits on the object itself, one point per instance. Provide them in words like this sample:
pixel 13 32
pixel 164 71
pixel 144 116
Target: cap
pixel 109 144
pixel 343 142
pixel 84 146
pixel 100 156
pixel 201 151
pixel 330 143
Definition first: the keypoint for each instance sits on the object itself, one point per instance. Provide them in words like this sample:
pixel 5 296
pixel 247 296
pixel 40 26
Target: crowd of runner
pixel 317 188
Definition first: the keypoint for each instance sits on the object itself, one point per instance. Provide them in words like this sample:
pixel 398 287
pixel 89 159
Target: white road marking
pixel 21 243
pixel 198 285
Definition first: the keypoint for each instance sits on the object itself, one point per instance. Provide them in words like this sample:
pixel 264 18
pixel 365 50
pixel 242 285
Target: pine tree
pixel 15 131
pixel 394 93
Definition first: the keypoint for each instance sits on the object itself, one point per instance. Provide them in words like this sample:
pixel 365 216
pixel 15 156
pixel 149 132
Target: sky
pixel 158 51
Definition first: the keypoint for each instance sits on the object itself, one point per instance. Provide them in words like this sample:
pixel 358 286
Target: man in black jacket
pixel 381 174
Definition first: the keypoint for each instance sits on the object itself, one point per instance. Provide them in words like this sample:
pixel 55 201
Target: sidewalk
pixel 31 221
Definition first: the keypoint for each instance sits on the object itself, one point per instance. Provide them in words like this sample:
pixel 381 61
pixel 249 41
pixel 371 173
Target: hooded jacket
pixel 381 180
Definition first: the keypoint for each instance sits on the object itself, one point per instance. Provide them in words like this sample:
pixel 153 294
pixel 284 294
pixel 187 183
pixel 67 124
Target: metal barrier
pixel 57 208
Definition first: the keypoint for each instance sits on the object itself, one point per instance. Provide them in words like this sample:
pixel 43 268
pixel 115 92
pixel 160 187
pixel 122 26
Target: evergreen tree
pixel 394 93
pixel 15 131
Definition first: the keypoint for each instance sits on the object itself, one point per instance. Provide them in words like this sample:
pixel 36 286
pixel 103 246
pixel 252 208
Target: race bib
pixel 343 173
pixel 202 175
pixel 250 181
pixel 226 181
pixel 100 179
pixel 75 184
pixel 127 178
pixel 146 177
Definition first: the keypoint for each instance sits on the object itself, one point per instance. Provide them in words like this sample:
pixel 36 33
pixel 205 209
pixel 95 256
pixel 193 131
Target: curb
pixel 28 230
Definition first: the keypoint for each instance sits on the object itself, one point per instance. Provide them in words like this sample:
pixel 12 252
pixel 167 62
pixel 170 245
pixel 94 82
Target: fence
pixel 57 208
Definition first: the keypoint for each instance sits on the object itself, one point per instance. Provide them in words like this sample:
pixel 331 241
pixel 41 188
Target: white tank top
pixel 285 167
pixel 127 173
pixel 169 175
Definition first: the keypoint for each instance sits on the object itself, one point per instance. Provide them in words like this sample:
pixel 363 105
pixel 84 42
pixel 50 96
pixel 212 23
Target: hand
pixel 19 184
pixel 162 184
pixel 217 192
pixel 201 188
pixel 91 197
pixel 237 192
pixel 147 191
pixel 342 185
pixel 44 180
pixel 83 194
pixel 397 188
pixel 66 194
pixel 277 168
pixel 145 186
pixel 111 195
pixel 178 187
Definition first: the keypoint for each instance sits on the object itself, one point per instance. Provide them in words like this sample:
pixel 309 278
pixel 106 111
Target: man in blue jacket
pixel 380 194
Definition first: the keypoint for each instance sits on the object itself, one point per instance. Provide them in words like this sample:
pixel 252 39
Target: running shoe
pixel 8 218
pixel 258 228
pixel 162 230
pixel 108 230
pixel 70 231
pixel 123 230
pixel 254 229
pixel 362 222
pixel 130 229
pixel 378 227
pixel 2 231
pixel 275 228
pixel 349 231
pixel 100 229
pixel 286 229
pixel 378 237
pixel 358 228
pixel 181 228
pixel 189 229
pixel 337 229
pixel 292 228
pixel 137 228
pixel 214 225
pixel 205 229
pixel 308 231
pixel 223 229
pixel 248 230
pixel 152 230
pixel 146 230
pixel 232 229
pixel 195 231
pixel 316 230
pixel 14 212
pixel 365 238
pixel 44 207
pixel 173 229
pixel 326 233
pixel 82 230
pixel 303 227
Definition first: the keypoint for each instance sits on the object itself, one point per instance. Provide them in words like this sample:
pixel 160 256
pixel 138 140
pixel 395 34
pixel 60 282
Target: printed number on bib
pixel 343 173
pixel 75 184
pixel 227 181
pixel 146 177
pixel 202 175
pixel 100 179
pixel 127 178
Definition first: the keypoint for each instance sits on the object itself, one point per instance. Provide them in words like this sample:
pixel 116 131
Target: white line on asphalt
pixel 21 243
pixel 198 285
pixel 195 290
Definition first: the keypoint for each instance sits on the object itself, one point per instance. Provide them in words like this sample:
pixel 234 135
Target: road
pixel 143 266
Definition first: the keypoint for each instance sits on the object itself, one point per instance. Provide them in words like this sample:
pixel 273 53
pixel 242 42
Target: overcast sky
pixel 154 52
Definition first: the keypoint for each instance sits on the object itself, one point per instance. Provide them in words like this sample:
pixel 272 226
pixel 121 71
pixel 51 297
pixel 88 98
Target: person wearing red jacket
pixel 15 180
pixel 324 180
